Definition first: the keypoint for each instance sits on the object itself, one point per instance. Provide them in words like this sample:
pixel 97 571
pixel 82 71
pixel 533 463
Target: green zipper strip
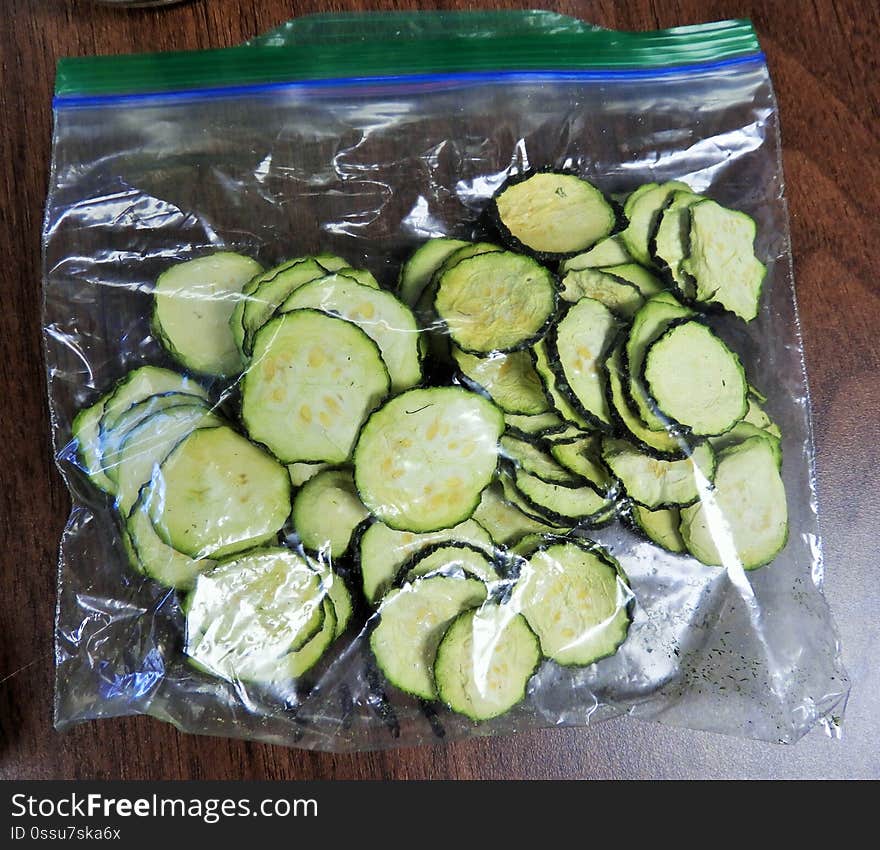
pixel 461 52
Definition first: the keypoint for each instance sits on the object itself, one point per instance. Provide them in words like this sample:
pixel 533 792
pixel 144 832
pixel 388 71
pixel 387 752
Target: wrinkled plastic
pixel 368 173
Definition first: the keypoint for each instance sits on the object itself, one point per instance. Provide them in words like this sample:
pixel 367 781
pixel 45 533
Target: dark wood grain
pixel 823 59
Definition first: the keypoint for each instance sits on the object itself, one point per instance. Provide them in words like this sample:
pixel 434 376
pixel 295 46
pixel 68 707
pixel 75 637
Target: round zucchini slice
pixel 530 456
pixel 412 622
pixel 513 495
pixel 510 380
pixel 388 322
pixel 722 259
pixel 649 324
pixel 85 430
pixel 423 459
pixel 133 417
pixel 554 215
pixel 247 618
pixel 313 380
pixel 485 661
pixel 642 209
pixel 94 427
pixel 607 252
pixel 656 483
pixel 549 379
pixel 149 443
pixel 646 283
pixel 741 432
pixel 326 512
pixel 696 380
pixel 382 551
pixel 620 296
pixel 576 599
pixel 424 308
pixel 217 493
pixel 582 455
pixel 659 443
pixel 157 559
pixel 671 241
pixel 577 348
pixel 497 301
pixel 564 503
pixel 743 520
pixel 192 307
pixel 140 384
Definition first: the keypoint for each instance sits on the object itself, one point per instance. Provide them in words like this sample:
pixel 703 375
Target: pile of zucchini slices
pixel 418 466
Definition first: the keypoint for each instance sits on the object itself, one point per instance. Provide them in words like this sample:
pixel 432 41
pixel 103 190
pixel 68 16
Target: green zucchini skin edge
pixel 667 505
pixel 613 483
pixel 549 396
pixel 562 382
pixel 470 384
pixel 527 507
pixel 600 552
pixel 539 661
pixel 400 579
pixel 546 257
pixel 527 343
pixel 541 445
pixel 596 520
pixel 313 554
pixel 619 425
pixel 683 430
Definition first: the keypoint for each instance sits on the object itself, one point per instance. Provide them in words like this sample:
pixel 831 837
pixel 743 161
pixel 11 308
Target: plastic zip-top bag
pixel 432 375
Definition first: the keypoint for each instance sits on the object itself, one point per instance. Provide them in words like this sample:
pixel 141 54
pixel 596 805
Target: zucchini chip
pixel 388 322
pixel 313 380
pixel 649 324
pixel 642 209
pixel 671 241
pixel 656 483
pixel 577 348
pixel 485 661
pixel 745 517
pixel 416 272
pixel 510 380
pixel 576 599
pixel 696 380
pixel 217 494
pixel 192 306
pixel 382 551
pixel 552 215
pixel 264 618
pixel 326 512
pixel 722 259
pixel 412 622
pixel 423 459
pixel 497 301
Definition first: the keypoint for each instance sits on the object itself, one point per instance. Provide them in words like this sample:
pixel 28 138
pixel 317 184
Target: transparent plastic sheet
pixel 368 171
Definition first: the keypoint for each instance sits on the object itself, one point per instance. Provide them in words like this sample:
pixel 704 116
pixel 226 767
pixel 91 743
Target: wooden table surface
pixel 824 62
